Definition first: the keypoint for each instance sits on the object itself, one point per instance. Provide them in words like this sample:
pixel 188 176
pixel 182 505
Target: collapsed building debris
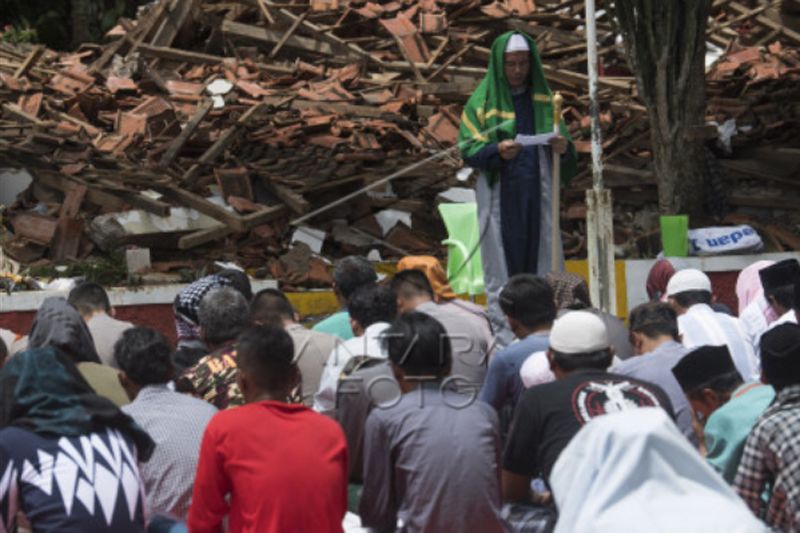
pixel 205 128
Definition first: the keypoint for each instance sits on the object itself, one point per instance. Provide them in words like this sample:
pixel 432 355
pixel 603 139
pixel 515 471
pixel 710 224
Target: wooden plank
pixel 185 56
pixel 203 236
pixel 67 239
pixel 222 143
pixel 37 228
pixel 768 202
pixel 131 38
pixel 18 113
pixel 73 200
pixel 268 214
pixel 233 221
pixel 293 200
pixel 731 21
pixel 30 61
pixel 299 20
pixel 178 14
pixel 450 60
pixel 177 145
pixel 340 45
pixel 140 201
pixel 94 196
pixel 769 23
pixel 267 37
pixel 189 199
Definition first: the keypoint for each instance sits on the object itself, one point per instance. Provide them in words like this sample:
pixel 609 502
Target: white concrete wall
pixel 119 296
pixel 636 270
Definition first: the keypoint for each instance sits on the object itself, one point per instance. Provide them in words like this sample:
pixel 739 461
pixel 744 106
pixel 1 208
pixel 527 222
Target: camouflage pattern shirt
pixel 213 379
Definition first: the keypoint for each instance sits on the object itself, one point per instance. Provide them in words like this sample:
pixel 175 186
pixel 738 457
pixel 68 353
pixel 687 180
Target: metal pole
pixel 594 107
pixel 599 219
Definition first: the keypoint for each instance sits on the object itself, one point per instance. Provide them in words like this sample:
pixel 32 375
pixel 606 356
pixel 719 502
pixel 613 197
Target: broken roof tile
pixel 116 84
pixel 432 22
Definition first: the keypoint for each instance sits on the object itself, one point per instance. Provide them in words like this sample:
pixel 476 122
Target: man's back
pixel 771 461
pixel 700 325
pixel 176 423
pixel 284 466
pixel 470 346
pixel 370 343
pixel 365 383
pixel 338 325
pixel 549 415
pixel 656 367
pixel 70 484
pixel 727 428
pixel 432 461
pixel 213 379
pixel 311 351
pixel 106 331
pixel 503 385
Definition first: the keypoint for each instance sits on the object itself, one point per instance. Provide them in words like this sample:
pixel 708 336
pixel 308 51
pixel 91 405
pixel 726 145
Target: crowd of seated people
pixel 400 412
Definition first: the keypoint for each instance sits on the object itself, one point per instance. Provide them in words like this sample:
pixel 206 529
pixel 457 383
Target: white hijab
pixel 634 471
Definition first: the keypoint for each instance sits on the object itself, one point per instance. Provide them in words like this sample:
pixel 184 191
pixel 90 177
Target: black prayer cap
pixel 780 355
pixel 781 274
pixel 702 365
pixel 781 341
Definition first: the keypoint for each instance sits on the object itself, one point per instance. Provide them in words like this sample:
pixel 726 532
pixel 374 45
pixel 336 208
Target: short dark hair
pixel 239 281
pixel 599 360
pixel 411 283
pixel 270 306
pixel 654 319
pixel 418 344
pixel 721 384
pixel 372 303
pixel 529 300
pixel 89 297
pixel 352 272
pixel 780 355
pixel 144 355
pixel 223 314
pixel 266 354
pixel 783 295
pixel 687 299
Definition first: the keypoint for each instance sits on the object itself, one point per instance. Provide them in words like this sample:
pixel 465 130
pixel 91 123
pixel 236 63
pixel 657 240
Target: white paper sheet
pixel 534 140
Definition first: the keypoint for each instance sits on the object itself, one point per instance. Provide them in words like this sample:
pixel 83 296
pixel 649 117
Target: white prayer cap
pixel 536 370
pixel 517 43
pixel 689 279
pixel 578 332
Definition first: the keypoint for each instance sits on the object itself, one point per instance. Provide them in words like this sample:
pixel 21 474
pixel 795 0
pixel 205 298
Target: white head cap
pixel 517 43
pixel 578 332
pixel 689 279
pixel 536 370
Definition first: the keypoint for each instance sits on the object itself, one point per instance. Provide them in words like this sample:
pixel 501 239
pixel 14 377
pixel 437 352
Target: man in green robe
pixel 514 191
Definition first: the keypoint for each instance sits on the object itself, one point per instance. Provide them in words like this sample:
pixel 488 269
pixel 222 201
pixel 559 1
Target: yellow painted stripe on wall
pixel 581 268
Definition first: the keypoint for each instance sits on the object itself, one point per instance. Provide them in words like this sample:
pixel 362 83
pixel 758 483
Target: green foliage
pixel 50 21
pixel 110 270
pixel 18 34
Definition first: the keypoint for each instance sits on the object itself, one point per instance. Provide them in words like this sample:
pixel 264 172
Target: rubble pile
pixel 204 129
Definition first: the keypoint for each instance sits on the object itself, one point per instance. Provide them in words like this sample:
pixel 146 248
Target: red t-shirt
pixel 284 466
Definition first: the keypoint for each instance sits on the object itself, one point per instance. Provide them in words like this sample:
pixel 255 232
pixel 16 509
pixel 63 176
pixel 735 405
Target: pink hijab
pixel 748 286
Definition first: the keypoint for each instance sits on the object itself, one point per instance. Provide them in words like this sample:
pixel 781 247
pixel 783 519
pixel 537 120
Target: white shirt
pixel 106 331
pixel 789 317
pixel 753 322
pixel 370 343
pixel 702 326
